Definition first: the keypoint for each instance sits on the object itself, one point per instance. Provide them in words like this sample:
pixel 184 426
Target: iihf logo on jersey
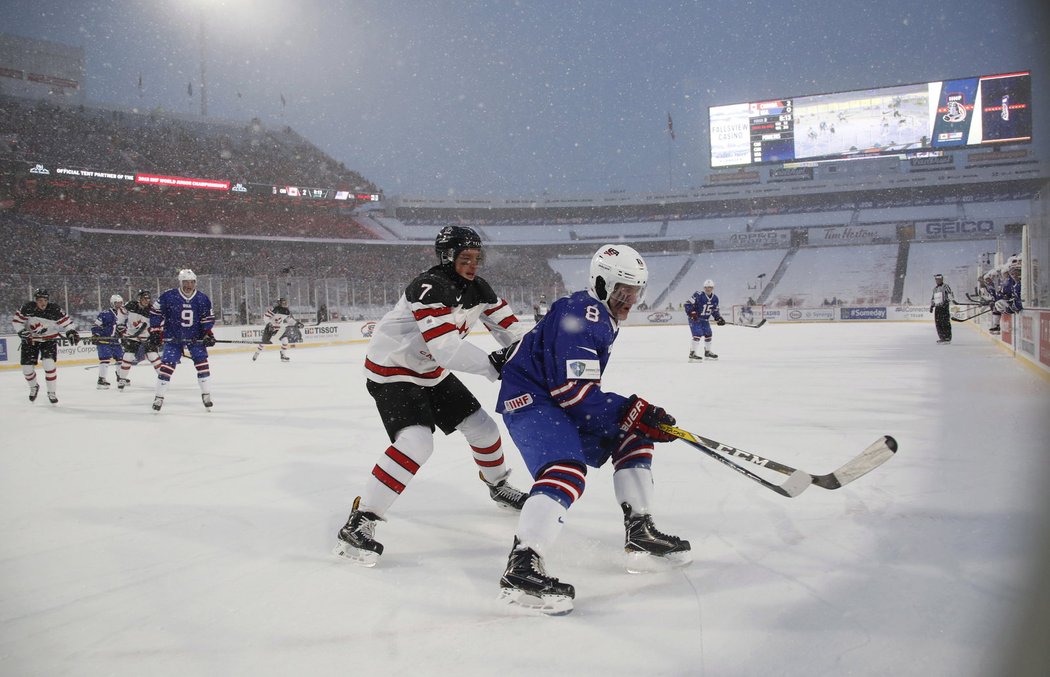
pixel 956 108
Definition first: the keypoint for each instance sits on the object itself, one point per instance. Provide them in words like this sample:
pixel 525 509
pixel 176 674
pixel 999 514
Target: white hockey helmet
pixel 187 274
pixel 709 284
pixel 615 264
pixel 116 298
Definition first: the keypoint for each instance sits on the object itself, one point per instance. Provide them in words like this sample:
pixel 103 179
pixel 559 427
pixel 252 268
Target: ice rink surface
pixel 196 543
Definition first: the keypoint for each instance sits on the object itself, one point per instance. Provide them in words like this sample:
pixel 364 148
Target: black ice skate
pixel 123 383
pixel 693 357
pixel 285 358
pixel 944 340
pixel 709 355
pixel 158 402
pixel 525 584
pixel 255 356
pixel 648 549
pixel 505 495
pixel 206 399
pixel 103 384
pixel 33 390
pixel 356 538
pixel 52 398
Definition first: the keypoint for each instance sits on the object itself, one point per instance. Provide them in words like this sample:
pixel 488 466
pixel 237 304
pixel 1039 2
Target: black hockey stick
pixel 965 319
pixel 750 326
pixel 877 453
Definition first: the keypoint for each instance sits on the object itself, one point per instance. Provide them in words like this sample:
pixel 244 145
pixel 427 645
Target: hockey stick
pixel 965 319
pixel 877 453
pixel 750 326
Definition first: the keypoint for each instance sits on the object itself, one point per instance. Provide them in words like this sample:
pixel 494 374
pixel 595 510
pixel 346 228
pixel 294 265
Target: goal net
pixel 750 315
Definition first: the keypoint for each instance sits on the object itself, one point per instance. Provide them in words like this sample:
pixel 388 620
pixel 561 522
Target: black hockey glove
pixel 129 346
pixel 299 324
pixel 208 340
pixel 25 335
pixel 154 342
pixel 644 419
pixel 498 358
pixel 720 322
pixel 73 336
pixel 931 308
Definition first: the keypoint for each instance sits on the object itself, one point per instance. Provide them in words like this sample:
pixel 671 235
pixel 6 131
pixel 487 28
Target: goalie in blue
pixel 564 423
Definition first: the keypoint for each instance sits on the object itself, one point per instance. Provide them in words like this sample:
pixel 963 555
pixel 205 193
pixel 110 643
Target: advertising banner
pixel 862 313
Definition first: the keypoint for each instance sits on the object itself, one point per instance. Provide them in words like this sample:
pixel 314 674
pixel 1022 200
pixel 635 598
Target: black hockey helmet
pixel 144 292
pixel 41 292
pixel 454 239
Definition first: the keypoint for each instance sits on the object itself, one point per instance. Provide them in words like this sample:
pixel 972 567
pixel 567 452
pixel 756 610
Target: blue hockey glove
pixel 208 340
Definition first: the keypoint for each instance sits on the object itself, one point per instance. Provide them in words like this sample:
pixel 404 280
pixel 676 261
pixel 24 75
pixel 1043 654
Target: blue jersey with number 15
pixel 182 318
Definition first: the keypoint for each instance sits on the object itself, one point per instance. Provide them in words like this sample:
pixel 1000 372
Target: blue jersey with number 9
pixel 182 318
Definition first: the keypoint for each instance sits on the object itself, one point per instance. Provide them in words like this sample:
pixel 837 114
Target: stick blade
pixel 880 451
pixel 798 482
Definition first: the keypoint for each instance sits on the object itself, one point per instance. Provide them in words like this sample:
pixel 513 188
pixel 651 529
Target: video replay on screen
pixel 897 120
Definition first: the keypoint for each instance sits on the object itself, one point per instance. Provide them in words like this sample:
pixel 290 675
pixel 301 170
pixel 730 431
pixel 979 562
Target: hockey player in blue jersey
pixel 1010 293
pixel 563 422
pixel 107 330
pixel 701 307
pixel 182 318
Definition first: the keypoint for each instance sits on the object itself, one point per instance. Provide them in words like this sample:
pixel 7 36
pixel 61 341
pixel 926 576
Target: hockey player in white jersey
pixel 136 338
pixel 40 324
pixel 278 320
pixel 409 364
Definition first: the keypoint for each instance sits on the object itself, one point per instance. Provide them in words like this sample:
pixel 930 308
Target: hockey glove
pixel 73 336
pixel 25 335
pixel 208 340
pixel 644 419
pixel 931 309
pixel 155 340
pixel 498 358
pixel 299 324
pixel 129 346
pixel 720 322
pixel 693 315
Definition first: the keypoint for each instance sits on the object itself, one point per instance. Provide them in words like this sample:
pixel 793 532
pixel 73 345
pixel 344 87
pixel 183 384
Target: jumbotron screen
pixel 975 111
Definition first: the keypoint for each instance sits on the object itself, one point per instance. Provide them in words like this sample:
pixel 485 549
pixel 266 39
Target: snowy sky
pixel 509 98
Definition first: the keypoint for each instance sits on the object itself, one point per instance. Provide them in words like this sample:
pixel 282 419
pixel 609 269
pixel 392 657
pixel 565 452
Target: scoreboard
pixel 897 120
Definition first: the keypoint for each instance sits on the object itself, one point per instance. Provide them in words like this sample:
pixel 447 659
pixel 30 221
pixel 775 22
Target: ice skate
pixel 525 584
pixel 255 356
pixel 52 398
pixel 944 340
pixel 709 355
pixel 103 384
pixel 206 399
pixel 158 402
pixel 356 538
pixel 505 495
pixel 693 357
pixel 33 390
pixel 649 550
pixel 123 383
pixel 994 330
pixel 285 358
